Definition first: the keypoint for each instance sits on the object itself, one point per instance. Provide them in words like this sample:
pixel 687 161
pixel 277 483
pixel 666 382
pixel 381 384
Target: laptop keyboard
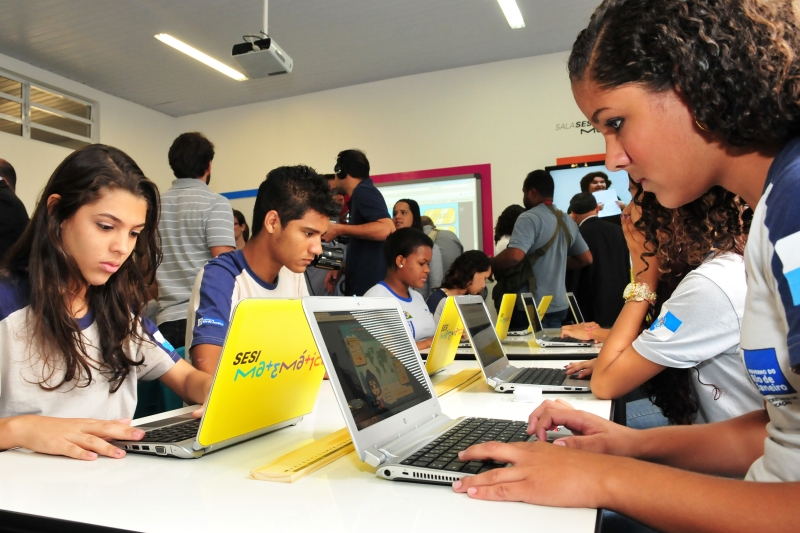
pixel 540 376
pixel 442 453
pixel 570 340
pixel 174 433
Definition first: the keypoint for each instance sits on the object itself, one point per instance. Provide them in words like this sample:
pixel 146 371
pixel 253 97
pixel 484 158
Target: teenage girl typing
pixel 73 340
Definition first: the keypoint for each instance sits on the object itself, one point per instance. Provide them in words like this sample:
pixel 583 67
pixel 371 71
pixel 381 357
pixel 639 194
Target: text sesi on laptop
pixel 552 341
pixel 577 315
pixel 497 370
pixel 263 382
pixel 387 399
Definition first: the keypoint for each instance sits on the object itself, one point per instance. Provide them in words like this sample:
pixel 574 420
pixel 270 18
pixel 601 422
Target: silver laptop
pixel 387 399
pixel 547 341
pixel 494 363
pixel 577 315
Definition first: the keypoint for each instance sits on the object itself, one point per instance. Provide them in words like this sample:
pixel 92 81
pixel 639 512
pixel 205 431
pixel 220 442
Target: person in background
pixel 467 275
pixel 315 276
pixel 13 215
pixel 408 253
pixel 688 95
pixel 72 289
pixel 368 226
pixel 598 287
pixel 598 181
pixel 446 240
pixel 406 215
pixel 293 209
pixel 544 243
pixel 694 275
pixel 196 225
pixel 241 232
pixel 505 226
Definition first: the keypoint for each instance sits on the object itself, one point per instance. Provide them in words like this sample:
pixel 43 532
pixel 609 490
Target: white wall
pixel 501 113
pixel 142 133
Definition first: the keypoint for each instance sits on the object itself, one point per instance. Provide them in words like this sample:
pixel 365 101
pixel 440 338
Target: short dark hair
pixel 542 181
pixel 413 206
pixel 352 163
pixel 582 203
pixel 190 155
pixel 589 178
pixel 506 221
pixel 291 192
pixel 404 242
pixel 464 269
pixel 8 173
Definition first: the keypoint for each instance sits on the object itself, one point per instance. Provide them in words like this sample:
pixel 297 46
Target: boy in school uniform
pixel 292 211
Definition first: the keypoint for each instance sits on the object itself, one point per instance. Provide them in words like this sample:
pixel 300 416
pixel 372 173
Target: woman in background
pixel 406 214
pixel 240 230
pixel 467 275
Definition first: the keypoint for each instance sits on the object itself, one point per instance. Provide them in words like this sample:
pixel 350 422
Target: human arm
pixel 424 344
pixel 331 279
pixel 79 438
pixel 217 250
pixel 219 228
pixel 378 230
pixel 190 383
pixel 580 260
pixel 205 357
pixel 585 331
pixel 508 258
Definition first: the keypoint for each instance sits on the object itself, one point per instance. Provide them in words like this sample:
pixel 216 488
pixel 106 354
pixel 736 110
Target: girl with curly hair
pixel 73 340
pixel 690 94
pixel 467 275
pixel 694 374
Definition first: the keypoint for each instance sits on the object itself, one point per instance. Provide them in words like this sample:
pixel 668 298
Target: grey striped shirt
pixel 193 219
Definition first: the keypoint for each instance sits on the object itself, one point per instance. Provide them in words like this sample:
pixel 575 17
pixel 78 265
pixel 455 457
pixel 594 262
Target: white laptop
pixel 387 399
pixel 577 315
pixel 547 341
pixel 494 363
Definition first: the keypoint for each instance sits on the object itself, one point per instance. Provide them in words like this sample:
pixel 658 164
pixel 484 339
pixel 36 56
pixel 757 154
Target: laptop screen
pixel 532 312
pixel 576 310
pixel 374 361
pixel 484 338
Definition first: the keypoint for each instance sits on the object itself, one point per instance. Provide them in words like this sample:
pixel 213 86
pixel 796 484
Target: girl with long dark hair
pixel 467 275
pixel 690 94
pixel 73 340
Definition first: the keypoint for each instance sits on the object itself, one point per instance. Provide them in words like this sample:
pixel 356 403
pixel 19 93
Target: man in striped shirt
pixel 196 225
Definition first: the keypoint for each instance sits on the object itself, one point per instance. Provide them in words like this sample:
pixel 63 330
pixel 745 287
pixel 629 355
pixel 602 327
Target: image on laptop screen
pixel 375 363
pixel 532 312
pixel 484 339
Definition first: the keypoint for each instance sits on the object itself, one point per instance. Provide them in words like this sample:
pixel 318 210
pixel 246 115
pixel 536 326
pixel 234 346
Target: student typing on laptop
pixel 688 359
pixel 408 254
pixel 73 341
pixel 292 211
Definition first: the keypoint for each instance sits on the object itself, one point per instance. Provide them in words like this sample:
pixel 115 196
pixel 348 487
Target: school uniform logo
pixel 788 250
pixel 408 315
pixel 666 326
pixel 766 373
pixel 210 322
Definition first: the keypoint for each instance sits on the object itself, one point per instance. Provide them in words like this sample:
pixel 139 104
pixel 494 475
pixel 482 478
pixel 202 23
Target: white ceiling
pixel 109 45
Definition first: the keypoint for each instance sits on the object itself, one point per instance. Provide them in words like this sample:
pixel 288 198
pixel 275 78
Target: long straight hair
pixel 81 179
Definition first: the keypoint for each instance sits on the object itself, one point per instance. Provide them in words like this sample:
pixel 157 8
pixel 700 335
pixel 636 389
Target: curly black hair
pixel 681 239
pixel 190 155
pixel 735 63
pixel 464 268
pixel 506 221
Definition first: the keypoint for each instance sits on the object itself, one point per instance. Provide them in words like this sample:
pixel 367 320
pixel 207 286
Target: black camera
pixel 330 259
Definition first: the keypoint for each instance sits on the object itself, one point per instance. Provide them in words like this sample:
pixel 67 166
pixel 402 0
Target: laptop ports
pixel 161 450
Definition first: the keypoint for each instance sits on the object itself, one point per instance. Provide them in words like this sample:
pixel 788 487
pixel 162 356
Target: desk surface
pixel 215 493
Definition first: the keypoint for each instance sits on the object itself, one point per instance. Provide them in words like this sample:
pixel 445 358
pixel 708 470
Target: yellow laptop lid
pixel 504 315
pixel 543 305
pixel 269 370
pixel 445 341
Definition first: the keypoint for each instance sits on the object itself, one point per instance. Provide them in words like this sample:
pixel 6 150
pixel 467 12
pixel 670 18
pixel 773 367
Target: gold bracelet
pixel 639 292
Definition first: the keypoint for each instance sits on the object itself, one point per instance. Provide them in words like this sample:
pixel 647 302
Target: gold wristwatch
pixel 639 292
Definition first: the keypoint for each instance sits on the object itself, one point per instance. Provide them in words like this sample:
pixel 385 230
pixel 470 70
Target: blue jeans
pixel 642 414
pixel 554 319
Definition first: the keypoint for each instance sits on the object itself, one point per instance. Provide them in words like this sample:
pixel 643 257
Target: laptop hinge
pixel 411 440
pixel 373 457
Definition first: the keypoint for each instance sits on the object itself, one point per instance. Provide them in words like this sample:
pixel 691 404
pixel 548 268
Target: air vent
pixel 435 477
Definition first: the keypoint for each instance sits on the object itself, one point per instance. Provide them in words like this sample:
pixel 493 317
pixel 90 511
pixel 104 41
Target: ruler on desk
pixel 299 463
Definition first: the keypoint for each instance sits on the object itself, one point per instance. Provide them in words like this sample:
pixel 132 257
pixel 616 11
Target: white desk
pixel 215 493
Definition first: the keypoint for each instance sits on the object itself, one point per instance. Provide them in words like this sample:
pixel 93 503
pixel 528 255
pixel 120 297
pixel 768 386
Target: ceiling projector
pixel 261 58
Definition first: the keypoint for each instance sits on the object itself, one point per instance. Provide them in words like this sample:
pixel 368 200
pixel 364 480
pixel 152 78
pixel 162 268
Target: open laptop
pixel 544 340
pixel 494 363
pixel 387 399
pixel 262 383
pixel 577 315
pixel 507 306
pixel 446 340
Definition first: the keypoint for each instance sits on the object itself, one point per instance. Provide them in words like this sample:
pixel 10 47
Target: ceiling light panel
pixel 200 56
pixel 512 13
